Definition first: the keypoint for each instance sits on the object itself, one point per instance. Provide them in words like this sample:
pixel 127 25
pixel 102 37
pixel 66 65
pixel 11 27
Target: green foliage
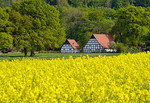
pixel 5 24
pixel 96 15
pixel 111 45
pixel 7 3
pixel 75 21
pixel 120 47
pixel 132 23
pixel 38 27
pixel 80 22
pixel 6 28
pixel 132 49
pixel 116 4
pixel 143 3
pixel 6 41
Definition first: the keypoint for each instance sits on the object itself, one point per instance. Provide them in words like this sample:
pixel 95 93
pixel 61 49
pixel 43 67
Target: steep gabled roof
pixel 73 43
pixel 103 39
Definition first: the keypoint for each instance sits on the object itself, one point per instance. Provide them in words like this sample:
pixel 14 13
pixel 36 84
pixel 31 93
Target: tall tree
pixel 40 25
pixel 132 23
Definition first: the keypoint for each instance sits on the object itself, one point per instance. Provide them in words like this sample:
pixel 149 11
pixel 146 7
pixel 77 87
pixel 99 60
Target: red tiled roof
pixel 103 39
pixel 73 43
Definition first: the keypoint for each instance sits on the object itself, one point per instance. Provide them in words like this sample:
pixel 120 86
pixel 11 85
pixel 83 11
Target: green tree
pixel 132 23
pixel 6 41
pixel 39 25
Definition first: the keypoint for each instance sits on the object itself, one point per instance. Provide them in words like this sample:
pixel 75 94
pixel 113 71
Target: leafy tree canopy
pixel 39 26
pixel 6 41
pixel 6 27
pixel 132 23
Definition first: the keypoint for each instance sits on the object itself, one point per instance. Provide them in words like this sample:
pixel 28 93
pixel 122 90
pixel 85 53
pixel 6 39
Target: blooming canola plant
pixel 123 78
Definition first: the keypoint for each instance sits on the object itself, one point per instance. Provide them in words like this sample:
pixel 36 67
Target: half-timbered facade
pixel 98 42
pixel 70 46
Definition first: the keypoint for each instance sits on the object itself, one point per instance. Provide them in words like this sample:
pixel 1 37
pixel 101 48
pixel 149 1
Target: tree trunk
pixel 25 52
pixel 32 53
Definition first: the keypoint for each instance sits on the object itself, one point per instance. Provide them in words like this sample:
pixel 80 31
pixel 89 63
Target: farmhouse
pixel 70 46
pixel 98 42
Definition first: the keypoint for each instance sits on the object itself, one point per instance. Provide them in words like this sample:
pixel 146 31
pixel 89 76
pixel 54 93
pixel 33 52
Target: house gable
pixel 92 37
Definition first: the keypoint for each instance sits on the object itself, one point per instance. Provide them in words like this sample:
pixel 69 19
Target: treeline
pixel 127 20
pixel 31 25
pixel 115 4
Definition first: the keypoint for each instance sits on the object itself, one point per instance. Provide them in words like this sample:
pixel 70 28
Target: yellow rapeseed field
pixel 117 79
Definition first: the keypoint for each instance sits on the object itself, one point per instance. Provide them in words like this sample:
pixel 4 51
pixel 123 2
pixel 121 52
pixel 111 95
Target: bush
pixel 111 45
pixel 133 49
pixel 120 47
pixel 103 51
